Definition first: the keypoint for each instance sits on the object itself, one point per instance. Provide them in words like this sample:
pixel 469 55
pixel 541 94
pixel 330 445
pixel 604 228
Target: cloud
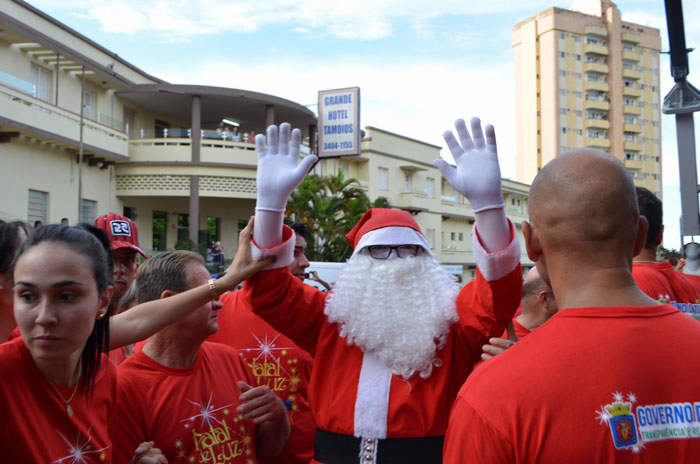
pixel 359 19
pixel 418 99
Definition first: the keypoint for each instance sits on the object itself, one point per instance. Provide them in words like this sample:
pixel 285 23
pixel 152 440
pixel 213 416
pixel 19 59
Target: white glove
pixel 279 170
pixel 478 175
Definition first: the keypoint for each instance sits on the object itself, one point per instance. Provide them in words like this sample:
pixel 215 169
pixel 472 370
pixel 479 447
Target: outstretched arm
pixel 279 173
pixel 143 320
pixel 478 178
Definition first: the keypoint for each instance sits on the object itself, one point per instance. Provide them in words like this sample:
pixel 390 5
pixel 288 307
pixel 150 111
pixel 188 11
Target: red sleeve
pixel 125 428
pixel 485 307
pixel 292 308
pixel 471 438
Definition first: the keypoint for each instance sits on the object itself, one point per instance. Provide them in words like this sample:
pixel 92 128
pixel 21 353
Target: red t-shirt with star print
pixel 276 361
pixel 34 424
pixel 190 413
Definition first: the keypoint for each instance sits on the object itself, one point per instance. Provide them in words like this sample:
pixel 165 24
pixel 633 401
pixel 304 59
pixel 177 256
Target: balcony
pixel 633 164
pixel 630 37
pixel 596 85
pixel 631 110
pixel 631 91
pixel 596 142
pixel 596 105
pixel 43 120
pixel 632 146
pixel 631 73
pixel 600 31
pixel 595 48
pixel 598 67
pixel 596 123
pixel 630 56
pixel 632 128
pixel 414 200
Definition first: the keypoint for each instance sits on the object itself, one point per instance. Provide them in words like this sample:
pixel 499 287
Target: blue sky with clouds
pixel 419 64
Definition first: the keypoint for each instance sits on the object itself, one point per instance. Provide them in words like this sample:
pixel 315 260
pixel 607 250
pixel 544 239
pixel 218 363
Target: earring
pixel 100 316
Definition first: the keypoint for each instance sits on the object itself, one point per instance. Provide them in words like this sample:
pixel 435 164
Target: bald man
pixel 537 305
pixel 614 376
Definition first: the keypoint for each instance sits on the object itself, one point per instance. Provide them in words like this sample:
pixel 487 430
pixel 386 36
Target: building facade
pixel 152 152
pixel 585 78
pixel 84 133
pixel 401 169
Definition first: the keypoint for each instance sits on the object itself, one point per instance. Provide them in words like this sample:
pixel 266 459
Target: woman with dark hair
pixel 57 392
pixel 11 236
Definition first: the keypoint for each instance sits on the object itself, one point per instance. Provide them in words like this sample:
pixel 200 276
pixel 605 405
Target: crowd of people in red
pixel 589 359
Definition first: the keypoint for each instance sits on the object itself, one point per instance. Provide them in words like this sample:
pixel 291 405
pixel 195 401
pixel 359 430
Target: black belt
pixel 336 448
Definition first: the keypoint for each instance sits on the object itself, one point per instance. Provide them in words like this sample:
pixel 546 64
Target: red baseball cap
pixel 122 232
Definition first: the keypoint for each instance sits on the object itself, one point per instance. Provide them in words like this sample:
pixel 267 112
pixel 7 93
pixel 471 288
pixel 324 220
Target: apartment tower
pixel 585 78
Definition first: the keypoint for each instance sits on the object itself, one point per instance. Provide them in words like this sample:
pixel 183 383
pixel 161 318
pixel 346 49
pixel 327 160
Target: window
pixel 90 104
pixel 36 209
pixel 160 219
pixel 345 168
pixel 461 236
pixel 562 54
pixel 430 237
pixel 629 137
pixel 562 35
pixel 430 187
pixel 408 182
pixel 41 80
pixel 87 210
pixel 629 119
pixel 452 236
pixel 183 227
pixel 630 155
pixel 383 180
pixel 563 130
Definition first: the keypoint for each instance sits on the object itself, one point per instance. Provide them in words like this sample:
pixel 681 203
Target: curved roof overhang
pixel 244 106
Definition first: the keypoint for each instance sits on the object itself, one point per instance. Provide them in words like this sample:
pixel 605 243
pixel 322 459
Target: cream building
pixel 585 78
pixel 152 153
pixel 150 148
pixel 401 169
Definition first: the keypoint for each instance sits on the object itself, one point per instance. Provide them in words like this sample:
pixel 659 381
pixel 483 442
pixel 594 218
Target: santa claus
pixel 396 338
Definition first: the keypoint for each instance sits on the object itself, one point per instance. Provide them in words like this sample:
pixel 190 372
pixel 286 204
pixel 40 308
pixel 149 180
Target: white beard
pixel 399 310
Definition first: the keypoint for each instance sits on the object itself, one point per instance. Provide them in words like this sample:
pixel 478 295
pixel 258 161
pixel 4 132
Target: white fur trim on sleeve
pixel 372 402
pixel 284 251
pixel 496 265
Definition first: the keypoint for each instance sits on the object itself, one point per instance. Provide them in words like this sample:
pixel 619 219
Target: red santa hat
pixel 381 226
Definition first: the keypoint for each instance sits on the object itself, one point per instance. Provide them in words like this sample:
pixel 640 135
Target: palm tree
pixel 330 206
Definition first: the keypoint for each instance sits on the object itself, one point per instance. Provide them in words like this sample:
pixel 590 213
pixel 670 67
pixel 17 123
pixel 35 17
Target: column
pixel 194 179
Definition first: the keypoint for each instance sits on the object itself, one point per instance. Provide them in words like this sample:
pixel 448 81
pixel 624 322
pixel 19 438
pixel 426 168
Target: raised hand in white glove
pixel 478 175
pixel 279 170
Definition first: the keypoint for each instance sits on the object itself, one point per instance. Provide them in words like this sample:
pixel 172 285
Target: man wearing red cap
pixel 124 243
pixel 395 340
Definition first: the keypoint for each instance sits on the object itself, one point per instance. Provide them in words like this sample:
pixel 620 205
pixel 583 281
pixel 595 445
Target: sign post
pixel 339 122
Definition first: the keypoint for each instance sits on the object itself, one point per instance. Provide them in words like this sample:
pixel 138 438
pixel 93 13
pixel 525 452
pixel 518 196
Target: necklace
pixel 69 410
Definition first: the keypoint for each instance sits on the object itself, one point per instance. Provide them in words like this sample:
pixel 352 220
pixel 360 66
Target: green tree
pixel 330 206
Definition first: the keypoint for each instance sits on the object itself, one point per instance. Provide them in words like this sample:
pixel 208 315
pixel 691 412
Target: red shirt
pixel 190 413
pixel 417 407
pixel 277 362
pixel 591 385
pixel 661 282
pixel 34 425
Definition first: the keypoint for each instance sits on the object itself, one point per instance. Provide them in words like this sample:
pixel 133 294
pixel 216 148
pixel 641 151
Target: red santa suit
pixel 623 389
pixel 353 394
pixel 277 362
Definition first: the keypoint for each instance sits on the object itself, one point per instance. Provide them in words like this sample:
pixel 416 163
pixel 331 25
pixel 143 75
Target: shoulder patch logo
pixel 632 427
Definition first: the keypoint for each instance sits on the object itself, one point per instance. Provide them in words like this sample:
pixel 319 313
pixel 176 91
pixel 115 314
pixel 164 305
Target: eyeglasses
pixel 383 251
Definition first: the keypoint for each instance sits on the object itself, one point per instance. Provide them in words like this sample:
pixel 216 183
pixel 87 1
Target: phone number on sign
pixel 337 145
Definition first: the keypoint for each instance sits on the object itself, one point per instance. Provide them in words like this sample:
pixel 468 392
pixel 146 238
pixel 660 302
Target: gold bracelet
pixel 212 290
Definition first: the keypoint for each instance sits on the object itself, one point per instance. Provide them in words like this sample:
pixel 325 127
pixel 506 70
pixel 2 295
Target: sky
pixel 420 65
